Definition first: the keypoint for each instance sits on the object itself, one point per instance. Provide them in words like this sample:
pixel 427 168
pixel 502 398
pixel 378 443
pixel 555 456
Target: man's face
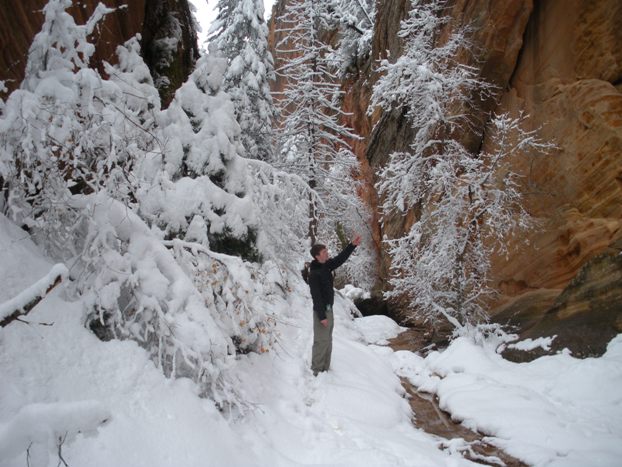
pixel 322 257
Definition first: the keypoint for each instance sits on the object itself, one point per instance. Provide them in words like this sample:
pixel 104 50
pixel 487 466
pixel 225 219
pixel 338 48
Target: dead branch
pixel 27 308
pixel 61 441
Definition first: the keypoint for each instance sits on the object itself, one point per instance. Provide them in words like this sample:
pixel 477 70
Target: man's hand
pixel 356 241
pixel 324 323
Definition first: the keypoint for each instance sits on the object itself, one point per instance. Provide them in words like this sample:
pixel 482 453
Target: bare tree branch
pixel 15 316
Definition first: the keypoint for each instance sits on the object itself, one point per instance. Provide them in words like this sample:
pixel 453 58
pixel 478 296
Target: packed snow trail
pixel 352 415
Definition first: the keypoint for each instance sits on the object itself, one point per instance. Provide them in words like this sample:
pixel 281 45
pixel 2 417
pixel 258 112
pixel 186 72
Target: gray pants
pixel 322 342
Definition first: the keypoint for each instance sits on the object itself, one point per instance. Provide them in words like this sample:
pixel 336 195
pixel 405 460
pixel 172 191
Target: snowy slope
pixel 352 415
pixel 113 407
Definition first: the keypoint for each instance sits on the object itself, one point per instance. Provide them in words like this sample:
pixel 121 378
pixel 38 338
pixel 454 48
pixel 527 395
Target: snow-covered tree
pixel 241 34
pixel 136 201
pixel 313 141
pixel 282 198
pixel 465 209
pixel 432 88
pixel 55 141
pixel 198 188
pixel 132 108
pixel 355 21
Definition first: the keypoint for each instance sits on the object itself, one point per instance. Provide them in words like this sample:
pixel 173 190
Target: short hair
pixel 316 249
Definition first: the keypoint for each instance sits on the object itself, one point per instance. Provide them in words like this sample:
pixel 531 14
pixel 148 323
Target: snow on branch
pixel 28 298
pixel 314 143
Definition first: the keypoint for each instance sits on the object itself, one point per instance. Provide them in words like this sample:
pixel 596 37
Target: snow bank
pixel 531 344
pixel 355 293
pixel 554 411
pixel 152 421
pixel 21 261
pixel 42 427
pixel 377 329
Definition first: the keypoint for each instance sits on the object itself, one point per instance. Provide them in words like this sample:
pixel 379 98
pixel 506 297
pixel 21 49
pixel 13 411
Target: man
pixel 321 285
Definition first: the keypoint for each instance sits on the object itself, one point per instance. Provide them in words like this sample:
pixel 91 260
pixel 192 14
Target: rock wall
pixel 21 20
pixel 568 79
pixel 558 61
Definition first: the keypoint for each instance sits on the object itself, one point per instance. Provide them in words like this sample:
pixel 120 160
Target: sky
pixel 205 14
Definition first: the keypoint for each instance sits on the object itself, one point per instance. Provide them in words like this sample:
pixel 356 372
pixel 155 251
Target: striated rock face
pixel 20 21
pixel 584 317
pixel 568 80
pixel 560 82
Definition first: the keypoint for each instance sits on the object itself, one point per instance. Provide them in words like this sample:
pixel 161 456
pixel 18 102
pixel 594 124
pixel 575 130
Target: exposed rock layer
pixel 20 21
pixel 567 80
pixel 584 317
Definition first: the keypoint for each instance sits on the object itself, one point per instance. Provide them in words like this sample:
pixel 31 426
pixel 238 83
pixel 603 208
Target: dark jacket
pixel 321 280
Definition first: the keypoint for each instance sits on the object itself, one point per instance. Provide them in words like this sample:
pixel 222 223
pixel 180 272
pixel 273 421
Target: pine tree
pixel 313 141
pixel 241 34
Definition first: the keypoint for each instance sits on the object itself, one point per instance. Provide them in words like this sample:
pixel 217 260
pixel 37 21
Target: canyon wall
pixel 568 79
pixel 560 62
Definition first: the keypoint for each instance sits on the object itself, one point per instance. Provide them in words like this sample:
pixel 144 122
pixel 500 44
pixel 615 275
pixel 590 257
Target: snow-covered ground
pixel 112 406
pixel 554 411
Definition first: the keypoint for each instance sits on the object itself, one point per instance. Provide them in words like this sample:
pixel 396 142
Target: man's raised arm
pixel 334 263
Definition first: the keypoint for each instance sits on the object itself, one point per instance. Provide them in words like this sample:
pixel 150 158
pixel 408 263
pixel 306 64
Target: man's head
pixel 319 253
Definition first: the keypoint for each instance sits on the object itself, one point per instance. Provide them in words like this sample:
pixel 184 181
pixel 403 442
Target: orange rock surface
pixel 566 81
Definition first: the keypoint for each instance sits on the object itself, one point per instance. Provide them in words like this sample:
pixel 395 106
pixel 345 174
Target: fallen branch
pixel 61 441
pixel 27 299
